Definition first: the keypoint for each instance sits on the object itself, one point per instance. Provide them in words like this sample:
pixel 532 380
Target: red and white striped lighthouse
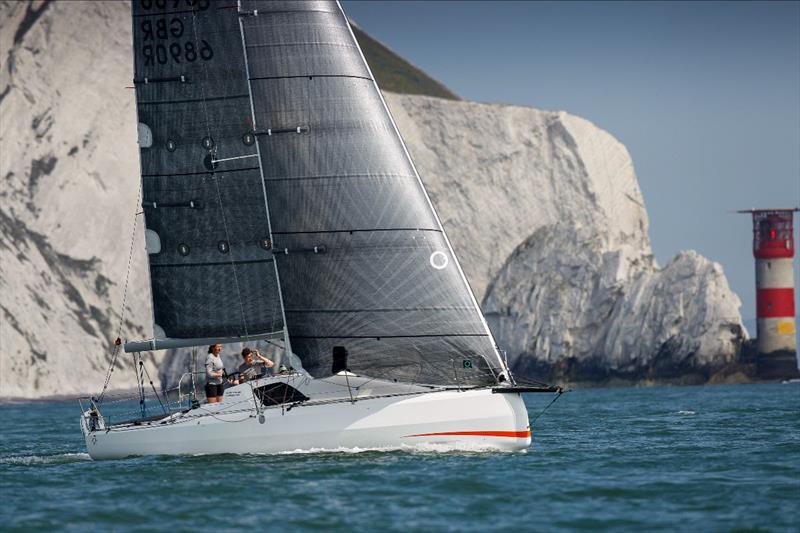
pixel 773 248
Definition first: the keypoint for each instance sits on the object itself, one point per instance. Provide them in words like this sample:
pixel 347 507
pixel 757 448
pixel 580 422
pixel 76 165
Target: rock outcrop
pixel 543 210
pixel 69 167
pixel 546 214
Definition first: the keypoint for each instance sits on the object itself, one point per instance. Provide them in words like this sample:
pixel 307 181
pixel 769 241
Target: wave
pixel 58 458
pixel 686 413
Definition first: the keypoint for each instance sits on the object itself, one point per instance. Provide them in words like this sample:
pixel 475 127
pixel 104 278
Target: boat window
pixel 278 393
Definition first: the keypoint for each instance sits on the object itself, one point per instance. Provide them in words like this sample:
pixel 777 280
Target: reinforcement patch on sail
pixel 213 274
pixel 362 258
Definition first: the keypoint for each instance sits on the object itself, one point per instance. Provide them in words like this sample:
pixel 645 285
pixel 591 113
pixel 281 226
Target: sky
pixel 705 96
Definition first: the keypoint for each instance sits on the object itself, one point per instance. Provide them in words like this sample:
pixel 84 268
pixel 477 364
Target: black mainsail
pixel 211 263
pixel 330 233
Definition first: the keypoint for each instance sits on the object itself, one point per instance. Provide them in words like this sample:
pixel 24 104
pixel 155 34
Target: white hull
pixel 384 415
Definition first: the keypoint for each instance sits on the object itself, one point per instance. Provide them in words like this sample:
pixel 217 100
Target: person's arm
pixel 267 362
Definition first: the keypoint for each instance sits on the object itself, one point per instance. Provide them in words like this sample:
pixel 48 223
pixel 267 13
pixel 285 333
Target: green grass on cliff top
pixel 395 74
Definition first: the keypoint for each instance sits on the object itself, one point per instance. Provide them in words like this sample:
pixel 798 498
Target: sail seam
pixel 384 310
pixel 211 263
pixel 436 230
pixel 262 13
pixel 299 43
pixel 206 173
pixel 164 13
pixel 195 100
pixel 261 78
pixel 379 336
pixel 343 176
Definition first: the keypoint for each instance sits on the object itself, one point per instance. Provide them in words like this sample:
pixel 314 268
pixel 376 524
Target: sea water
pixel 715 458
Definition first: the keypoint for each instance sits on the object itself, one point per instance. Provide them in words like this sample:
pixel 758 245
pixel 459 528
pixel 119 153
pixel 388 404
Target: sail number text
pixel 163 29
pixel 199 5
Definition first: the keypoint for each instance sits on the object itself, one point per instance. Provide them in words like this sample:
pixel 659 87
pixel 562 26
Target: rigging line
pixel 158 397
pixel 118 342
pixel 233 158
pixel 140 382
pixel 216 181
pixel 558 395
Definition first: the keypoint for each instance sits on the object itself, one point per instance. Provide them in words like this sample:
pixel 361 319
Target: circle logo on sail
pixel 439 260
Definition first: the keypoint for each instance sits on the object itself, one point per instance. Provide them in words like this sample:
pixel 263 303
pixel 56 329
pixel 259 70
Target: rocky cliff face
pixel 546 214
pixel 542 208
pixel 69 167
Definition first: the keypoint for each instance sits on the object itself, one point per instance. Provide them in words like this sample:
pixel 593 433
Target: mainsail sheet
pixel 362 257
pixel 211 262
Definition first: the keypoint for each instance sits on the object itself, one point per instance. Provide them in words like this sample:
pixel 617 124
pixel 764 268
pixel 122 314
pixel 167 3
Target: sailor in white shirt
pixel 214 372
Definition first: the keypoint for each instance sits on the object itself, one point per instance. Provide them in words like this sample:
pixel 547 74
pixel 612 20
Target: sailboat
pixel 280 203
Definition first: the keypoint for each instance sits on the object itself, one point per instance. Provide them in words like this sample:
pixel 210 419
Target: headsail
pixel 365 263
pixel 210 251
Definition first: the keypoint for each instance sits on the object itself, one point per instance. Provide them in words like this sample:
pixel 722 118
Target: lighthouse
pixel 773 249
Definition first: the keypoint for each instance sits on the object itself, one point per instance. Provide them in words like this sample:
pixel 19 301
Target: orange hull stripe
pixel 513 434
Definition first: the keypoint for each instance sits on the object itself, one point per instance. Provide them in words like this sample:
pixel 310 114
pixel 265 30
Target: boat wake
pixel 421 448
pixel 56 458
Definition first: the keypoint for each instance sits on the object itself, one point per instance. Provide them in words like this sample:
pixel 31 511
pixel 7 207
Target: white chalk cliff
pixel 543 210
pixel 546 214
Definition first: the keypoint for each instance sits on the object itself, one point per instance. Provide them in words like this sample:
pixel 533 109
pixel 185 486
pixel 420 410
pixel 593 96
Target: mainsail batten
pixel 367 265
